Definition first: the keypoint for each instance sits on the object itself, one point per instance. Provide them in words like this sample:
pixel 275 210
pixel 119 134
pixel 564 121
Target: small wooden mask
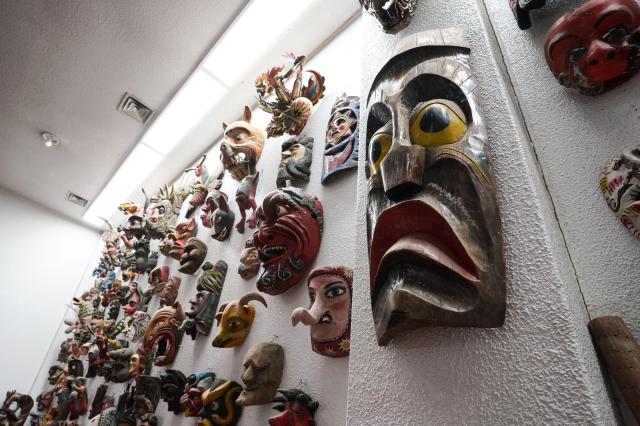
pixel 242 145
pixel 288 238
pixel 595 47
pixel 235 319
pixel 521 9
pixel 295 163
pixel 296 409
pixel 392 15
pixel 329 316
pixel 246 199
pixel 249 260
pixel 263 367
pixel 434 232
pixel 204 304
pixel 194 253
pixel 341 140
pixel 620 185
pixel 216 214
pixel 219 405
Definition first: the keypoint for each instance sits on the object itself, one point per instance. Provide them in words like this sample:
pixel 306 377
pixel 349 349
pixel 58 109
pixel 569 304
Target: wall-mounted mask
pixel 196 384
pixel 15 409
pixel 174 242
pixel 246 199
pixel 521 9
pixel 158 278
pixel 163 210
pixel 290 108
pixel 162 339
pixel 139 363
pixel 206 185
pixel 118 368
pixel 434 232
pixel 341 141
pixel 132 299
pixel 205 302
pixel 242 145
pixel 219 404
pixel 75 367
pixel 217 215
pixel 296 408
pixel 235 319
pixel 249 260
pixel 138 326
pixel 147 396
pixel 172 383
pixel 595 47
pixel 392 15
pixel 56 375
pixel 194 253
pixel 169 293
pixel 140 257
pixel 620 184
pixel 329 316
pixel 288 238
pixel 295 163
pixel 130 207
pixel 263 366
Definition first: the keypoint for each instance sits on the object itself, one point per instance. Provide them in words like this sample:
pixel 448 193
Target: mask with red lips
pixel 595 47
pixel 288 239
pixel 434 232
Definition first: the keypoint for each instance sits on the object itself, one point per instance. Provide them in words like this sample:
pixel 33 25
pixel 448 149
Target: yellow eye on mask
pixel 438 122
pixel 378 148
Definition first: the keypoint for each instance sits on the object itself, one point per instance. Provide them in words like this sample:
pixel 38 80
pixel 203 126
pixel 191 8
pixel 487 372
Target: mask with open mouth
pixel 288 238
pixel 194 253
pixel 341 140
pixel 329 316
pixel 596 46
pixel 296 408
pixel 235 319
pixel 434 232
pixel 162 339
pixel 620 185
pixel 242 145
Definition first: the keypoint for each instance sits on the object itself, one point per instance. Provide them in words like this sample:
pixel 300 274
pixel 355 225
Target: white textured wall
pixel 322 377
pixel 43 256
pixel 540 368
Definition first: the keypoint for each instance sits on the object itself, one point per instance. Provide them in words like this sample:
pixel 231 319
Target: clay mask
pixel 235 319
pixel 329 316
pixel 217 215
pixel 263 366
pixel 283 95
pixel 242 145
pixel 295 163
pixel 246 199
pixel 391 14
pixel 595 47
pixel 434 233
pixel 162 339
pixel 296 409
pixel 288 239
pixel 341 140
pixel 249 260
pixel 194 253
pixel 620 185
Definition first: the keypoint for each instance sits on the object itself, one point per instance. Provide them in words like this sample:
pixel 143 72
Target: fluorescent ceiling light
pixel 258 26
pixel 138 165
pixel 199 94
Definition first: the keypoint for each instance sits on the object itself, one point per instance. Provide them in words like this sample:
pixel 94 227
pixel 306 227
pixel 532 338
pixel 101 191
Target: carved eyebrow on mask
pixel 609 14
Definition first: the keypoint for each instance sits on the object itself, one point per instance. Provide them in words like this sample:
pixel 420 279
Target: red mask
pixel 288 239
pixel 596 46
pixel 296 407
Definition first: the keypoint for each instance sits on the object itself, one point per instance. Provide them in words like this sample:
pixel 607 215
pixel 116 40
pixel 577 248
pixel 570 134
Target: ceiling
pixel 64 67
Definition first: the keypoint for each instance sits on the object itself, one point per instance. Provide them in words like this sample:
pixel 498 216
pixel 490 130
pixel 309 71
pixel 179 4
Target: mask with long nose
pixel 434 233
pixel 596 46
pixel 263 368
pixel 329 316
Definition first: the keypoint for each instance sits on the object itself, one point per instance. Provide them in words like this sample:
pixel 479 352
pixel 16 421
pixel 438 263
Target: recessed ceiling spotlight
pixel 50 140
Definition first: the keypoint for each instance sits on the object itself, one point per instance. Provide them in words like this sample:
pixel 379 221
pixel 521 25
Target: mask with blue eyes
pixel 433 223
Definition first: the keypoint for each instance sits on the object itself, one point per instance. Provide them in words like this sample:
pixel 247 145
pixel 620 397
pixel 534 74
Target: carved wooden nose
pixel 402 171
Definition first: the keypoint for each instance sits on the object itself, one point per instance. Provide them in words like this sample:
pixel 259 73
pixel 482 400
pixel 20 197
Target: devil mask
pixel 162 211
pixel 205 302
pixel 196 384
pixel 391 14
pixel 194 253
pixel 595 47
pixel 162 339
pixel 341 141
pixel 217 215
pixel 620 184
pixel 295 165
pixel 296 409
pixel 330 313
pixel 173 244
pixel 288 239
pixel 434 233
pixel 169 293
pixel 263 367
pixel 172 383
pixel 235 319
pixel 242 145
pixel 249 260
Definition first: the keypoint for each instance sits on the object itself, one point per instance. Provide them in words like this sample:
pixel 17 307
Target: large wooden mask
pixel 595 47
pixel 162 338
pixel 242 145
pixel 288 238
pixel 434 233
